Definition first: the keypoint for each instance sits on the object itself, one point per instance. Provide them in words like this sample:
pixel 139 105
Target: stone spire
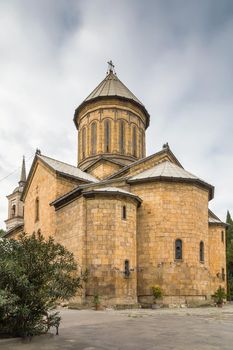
pixel 23 174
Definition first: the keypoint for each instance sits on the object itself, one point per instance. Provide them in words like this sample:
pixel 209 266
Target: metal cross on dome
pixel 110 67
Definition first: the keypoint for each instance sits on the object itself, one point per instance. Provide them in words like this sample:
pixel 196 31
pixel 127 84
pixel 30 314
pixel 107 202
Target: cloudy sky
pixel 176 56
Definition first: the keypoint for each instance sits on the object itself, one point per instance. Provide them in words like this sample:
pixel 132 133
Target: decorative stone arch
pixel 93 127
pixel 84 141
pixel 122 145
pixel 134 141
pixel 107 134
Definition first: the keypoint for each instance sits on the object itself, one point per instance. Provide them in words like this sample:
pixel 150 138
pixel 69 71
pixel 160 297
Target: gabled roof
pixel 165 169
pixel 100 159
pixel 67 169
pixel 165 152
pixel 170 172
pixel 60 168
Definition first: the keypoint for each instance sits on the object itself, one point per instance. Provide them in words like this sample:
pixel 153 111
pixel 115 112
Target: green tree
pixel 34 275
pixel 229 254
pixel 2 232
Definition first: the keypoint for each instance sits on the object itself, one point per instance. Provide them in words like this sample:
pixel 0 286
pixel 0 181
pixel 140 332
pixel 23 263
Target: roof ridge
pixel 130 92
pixel 128 166
pixel 60 161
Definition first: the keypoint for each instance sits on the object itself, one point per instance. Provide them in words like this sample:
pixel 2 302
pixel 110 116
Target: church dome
pixel 111 123
pixel 111 87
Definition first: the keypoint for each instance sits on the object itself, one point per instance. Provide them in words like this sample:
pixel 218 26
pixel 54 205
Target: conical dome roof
pixel 110 87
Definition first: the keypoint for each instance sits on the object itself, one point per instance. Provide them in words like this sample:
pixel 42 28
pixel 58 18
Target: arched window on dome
pixel 202 253
pixel 134 142
pixel 93 138
pixel 142 144
pixel 107 136
pixel 122 136
pixel 178 249
pixel 37 209
pixel 83 142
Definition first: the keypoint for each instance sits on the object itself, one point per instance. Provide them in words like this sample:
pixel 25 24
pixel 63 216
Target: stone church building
pixel 132 220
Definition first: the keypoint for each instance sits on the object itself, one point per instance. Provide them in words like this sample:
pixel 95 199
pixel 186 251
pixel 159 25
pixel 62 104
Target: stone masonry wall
pixel 171 211
pixel 217 254
pixel 103 169
pixel 45 186
pixel 71 231
pixel 114 111
pixel 110 241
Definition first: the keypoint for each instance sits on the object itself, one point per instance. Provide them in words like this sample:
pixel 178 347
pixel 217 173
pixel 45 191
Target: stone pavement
pixel 164 329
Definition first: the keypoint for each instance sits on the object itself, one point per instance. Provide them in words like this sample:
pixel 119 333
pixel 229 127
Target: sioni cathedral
pixel 132 220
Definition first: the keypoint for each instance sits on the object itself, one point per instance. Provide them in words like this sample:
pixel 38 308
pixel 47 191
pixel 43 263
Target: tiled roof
pixel 165 151
pixel 112 86
pixel 111 189
pixel 67 169
pixel 164 169
pixel 171 172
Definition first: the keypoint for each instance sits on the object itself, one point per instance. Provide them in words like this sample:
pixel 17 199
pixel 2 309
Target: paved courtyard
pixel 186 329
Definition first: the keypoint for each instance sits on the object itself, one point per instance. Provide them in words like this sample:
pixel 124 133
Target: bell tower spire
pixel 15 204
pixel 23 173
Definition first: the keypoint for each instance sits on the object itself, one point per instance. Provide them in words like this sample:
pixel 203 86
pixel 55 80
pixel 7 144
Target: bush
pixel 157 292
pixel 34 275
pixel 219 295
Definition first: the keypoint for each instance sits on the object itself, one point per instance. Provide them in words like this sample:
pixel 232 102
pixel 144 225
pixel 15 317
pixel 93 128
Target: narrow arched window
pixel 134 141
pixel 37 209
pixel 223 236
pixel 202 251
pixel 93 138
pixel 83 142
pixel 126 269
pixel 178 249
pixel 124 212
pixel 223 274
pixel 122 137
pixel 107 135
pixel 142 144
pixel 13 210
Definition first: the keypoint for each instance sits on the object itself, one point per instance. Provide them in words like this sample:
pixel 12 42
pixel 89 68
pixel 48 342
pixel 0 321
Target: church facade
pixel 133 221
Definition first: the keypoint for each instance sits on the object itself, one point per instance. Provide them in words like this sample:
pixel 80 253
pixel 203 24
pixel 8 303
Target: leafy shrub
pixel 219 295
pixel 34 275
pixel 157 292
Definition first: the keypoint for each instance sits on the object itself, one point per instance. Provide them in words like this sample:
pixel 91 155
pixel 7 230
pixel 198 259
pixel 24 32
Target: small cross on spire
pixel 110 67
